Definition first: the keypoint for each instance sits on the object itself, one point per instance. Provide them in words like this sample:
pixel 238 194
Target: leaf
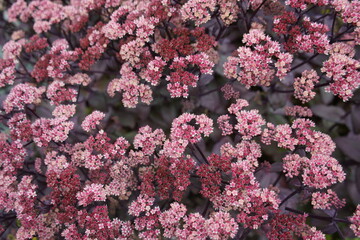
pixel 329 229
pixel 353 192
pixel 168 113
pixel 349 145
pixel 277 167
pixel 355 119
pixel 326 96
pixel 212 102
pixel 357 178
pixel 18 223
pixel 127 120
pixel 330 113
pixel 97 100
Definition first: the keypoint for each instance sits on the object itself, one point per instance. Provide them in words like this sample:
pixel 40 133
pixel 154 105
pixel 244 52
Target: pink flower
pixel 182 130
pixel 355 219
pixel 91 121
pixel 345 75
pixel 91 193
pixel 21 95
pixel 303 86
pixel 221 225
pixel 326 200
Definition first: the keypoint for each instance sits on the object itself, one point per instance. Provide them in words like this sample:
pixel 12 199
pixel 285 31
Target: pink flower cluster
pixel 21 95
pixel 298 111
pixel 229 92
pixel 132 89
pixel 252 63
pixel 326 200
pixel 302 4
pixel 180 79
pixel 304 85
pixel 344 72
pixel 288 226
pixel 355 221
pixel 321 171
pixel 248 122
pixel 7 72
pixel 92 120
pixel 307 37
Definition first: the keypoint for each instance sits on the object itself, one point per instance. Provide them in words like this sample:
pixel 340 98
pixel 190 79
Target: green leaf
pixel 18 223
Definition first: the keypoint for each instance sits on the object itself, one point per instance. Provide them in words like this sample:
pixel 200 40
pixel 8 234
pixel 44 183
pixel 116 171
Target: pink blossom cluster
pixel 288 226
pixel 302 4
pixel 198 10
pixel 304 86
pixel 21 95
pixel 147 140
pixel 183 133
pixel 349 11
pixel 326 200
pixel 299 134
pixel 320 171
pixel 45 130
pixel 308 37
pixel 64 111
pixel 184 42
pixel 248 122
pixel 229 92
pixel 92 192
pixel 132 89
pixel 344 73
pixel 12 50
pixel 180 80
pixel 92 120
pixel 251 64
pixel 299 111
pixel 355 221
pixel 7 72
pixel 58 93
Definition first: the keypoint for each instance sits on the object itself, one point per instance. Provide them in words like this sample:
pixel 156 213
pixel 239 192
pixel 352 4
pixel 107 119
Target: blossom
pixel 304 85
pixel 147 140
pixel 20 127
pixel 298 111
pixel 197 10
pixel 66 111
pixel 92 120
pixel 180 80
pixel 229 92
pixel 251 63
pixel 224 125
pixel 92 192
pixel 162 169
pixel 320 171
pixel 221 225
pixel 55 162
pixel 355 221
pixel 46 130
pixel 131 87
pixel 326 200
pixel 182 130
pixel 344 72
pixel 21 95
pixel 7 72
pixel 57 92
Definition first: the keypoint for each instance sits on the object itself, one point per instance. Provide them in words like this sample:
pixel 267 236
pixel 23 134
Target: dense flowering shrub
pixel 179 119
